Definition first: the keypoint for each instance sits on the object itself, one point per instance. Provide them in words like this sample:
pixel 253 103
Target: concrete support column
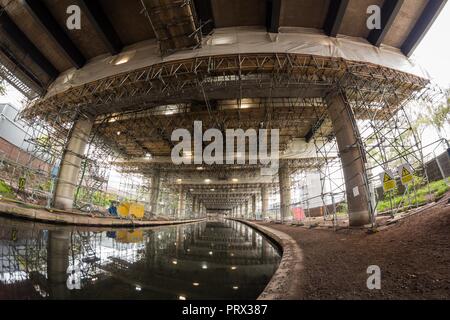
pixel 71 163
pixel 285 191
pixel 194 205
pixel 352 158
pixel 181 204
pixel 254 206
pixel 154 192
pixel 246 209
pixel 264 202
pixel 167 202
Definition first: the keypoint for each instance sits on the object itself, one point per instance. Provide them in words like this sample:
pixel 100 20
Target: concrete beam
pixel 335 16
pixel 426 20
pixel 273 12
pixel 389 12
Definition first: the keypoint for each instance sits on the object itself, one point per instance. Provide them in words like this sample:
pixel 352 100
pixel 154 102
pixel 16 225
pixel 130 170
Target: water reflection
pixel 210 260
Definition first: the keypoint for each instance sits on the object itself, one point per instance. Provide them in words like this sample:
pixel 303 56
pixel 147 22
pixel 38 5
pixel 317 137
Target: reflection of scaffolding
pixel 22 256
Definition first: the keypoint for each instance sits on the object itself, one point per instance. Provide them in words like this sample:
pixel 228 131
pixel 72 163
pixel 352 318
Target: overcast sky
pixel 433 54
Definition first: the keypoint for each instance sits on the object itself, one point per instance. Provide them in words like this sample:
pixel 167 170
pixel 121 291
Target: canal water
pixel 210 260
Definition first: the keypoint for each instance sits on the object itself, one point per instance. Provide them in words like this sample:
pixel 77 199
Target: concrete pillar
pixel 194 205
pixel 241 210
pixel 154 191
pixel 167 202
pixel 199 205
pixel 352 158
pixel 181 204
pixel 71 163
pixel 246 209
pixel 285 191
pixel 264 202
pixel 254 206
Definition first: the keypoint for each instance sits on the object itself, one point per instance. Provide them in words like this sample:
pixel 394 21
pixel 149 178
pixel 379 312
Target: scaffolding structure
pixel 388 140
pixel 376 95
pixel 91 193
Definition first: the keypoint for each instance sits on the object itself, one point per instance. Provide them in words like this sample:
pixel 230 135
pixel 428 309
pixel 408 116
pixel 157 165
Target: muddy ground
pixel 413 254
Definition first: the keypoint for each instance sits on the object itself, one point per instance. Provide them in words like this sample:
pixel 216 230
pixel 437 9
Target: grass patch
pixel 5 190
pixel 437 189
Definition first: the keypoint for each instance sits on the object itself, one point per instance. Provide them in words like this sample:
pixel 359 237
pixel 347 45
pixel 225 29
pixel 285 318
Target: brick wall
pixel 15 154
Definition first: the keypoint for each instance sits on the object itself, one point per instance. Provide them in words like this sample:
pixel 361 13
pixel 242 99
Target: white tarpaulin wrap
pixel 242 40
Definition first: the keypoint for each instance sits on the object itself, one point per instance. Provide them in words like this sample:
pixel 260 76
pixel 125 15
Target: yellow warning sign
pixel 388 181
pixel 406 174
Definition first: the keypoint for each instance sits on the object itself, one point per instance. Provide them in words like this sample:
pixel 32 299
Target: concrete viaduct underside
pixel 310 69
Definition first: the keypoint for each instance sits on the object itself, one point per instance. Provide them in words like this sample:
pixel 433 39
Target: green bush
pixel 6 190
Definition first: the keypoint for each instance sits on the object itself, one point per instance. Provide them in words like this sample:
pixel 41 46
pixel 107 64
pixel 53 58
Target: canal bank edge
pixel 77 219
pixel 285 283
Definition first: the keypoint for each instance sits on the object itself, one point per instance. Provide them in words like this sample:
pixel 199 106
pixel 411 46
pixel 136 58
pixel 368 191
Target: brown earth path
pixel 413 254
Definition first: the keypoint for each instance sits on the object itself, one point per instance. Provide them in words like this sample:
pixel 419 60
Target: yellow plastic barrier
pixel 136 211
pixel 131 210
pixel 130 236
pixel 123 210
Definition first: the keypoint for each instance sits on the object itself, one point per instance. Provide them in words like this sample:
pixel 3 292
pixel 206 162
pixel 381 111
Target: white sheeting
pixel 242 40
